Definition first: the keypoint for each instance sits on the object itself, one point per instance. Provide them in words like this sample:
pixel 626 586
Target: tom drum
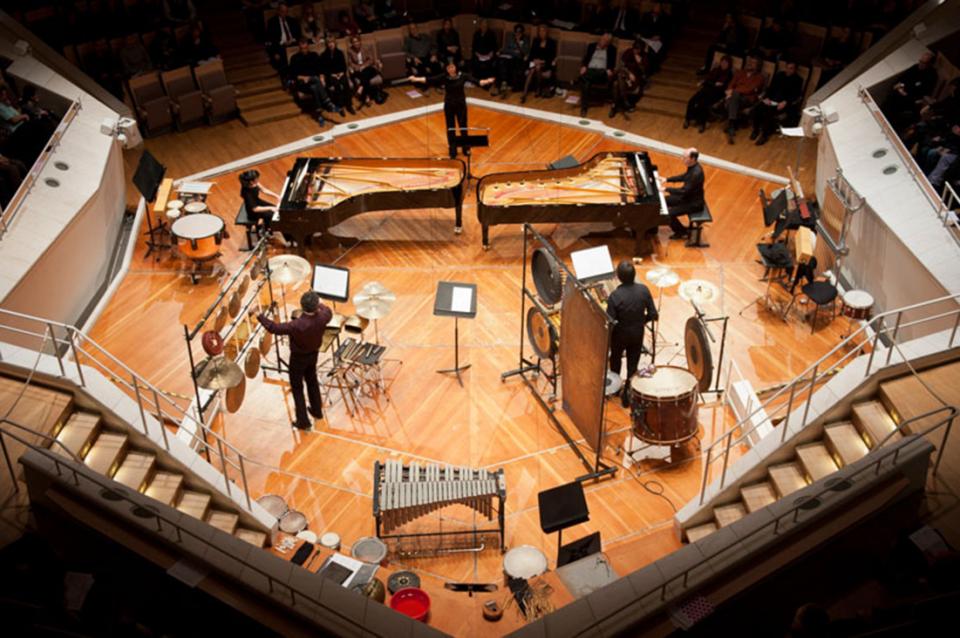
pixel 199 236
pixel 857 304
pixel 664 406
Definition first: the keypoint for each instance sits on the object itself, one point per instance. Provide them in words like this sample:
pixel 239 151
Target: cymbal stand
pixel 704 320
pixel 659 340
pixel 282 365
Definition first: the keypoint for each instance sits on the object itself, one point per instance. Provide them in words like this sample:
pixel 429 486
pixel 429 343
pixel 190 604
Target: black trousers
pixel 632 350
pixel 454 112
pixel 589 82
pixel 677 207
pixel 303 371
pixel 698 106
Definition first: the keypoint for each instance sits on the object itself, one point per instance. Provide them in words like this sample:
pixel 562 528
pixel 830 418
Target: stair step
pixel 258 539
pixel 816 460
pixel 668 92
pixel 78 433
pixel 194 503
pixel 844 442
pixel 263 100
pixel 106 453
pixel 237 61
pixel 135 470
pixel 165 487
pixel 727 514
pixel 874 422
pixel 230 49
pixel 696 533
pixel 250 73
pixel 757 496
pixel 256 87
pixel 227 521
pixel 270 114
pixel 787 478
pixel 41 409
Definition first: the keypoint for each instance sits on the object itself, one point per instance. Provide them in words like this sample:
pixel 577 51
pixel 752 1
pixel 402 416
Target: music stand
pixel 331 283
pixel 468 141
pixel 562 507
pixel 455 300
pixel 592 264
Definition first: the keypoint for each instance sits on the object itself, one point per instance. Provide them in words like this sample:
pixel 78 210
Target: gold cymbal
pixel 698 291
pixel 220 373
pixel 663 277
pixel 251 364
pixel 266 340
pixel 374 301
pixel 289 269
pixel 234 398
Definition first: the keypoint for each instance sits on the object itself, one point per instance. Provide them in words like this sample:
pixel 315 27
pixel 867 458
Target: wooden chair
pixel 219 96
pixel 187 100
pixel 570 52
pixel 151 102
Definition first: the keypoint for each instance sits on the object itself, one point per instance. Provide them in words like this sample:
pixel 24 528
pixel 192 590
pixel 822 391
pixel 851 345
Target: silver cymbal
pixel 374 301
pixel 289 269
pixel 698 291
pixel 663 277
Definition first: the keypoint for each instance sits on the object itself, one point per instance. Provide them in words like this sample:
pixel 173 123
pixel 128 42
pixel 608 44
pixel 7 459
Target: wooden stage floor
pixel 327 474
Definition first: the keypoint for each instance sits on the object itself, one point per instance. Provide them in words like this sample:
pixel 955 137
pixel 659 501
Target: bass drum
pixel 665 406
pixel 546 277
pixel 699 358
pixel 543 332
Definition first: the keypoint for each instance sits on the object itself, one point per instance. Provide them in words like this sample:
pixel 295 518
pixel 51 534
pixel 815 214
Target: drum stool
pixel 250 227
pixel 697 220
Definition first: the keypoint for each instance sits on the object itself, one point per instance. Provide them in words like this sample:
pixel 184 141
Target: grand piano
pixel 619 187
pixel 321 192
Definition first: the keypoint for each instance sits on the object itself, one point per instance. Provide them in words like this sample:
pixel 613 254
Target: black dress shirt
pixel 631 306
pixel 307 64
pixel 453 87
pixel 333 61
pixel 692 190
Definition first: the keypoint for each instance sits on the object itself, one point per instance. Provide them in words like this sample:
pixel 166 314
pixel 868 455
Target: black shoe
pixel 316 415
pixel 625 399
pixel 342 112
pixel 762 140
pixel 321 121
pixel 523 99
pixel 702 127
pixel 613 111
pixel 306 428
pixel 754 133
pixel 681 235
pixel 730 135
pixel 351 110
pixel 686 124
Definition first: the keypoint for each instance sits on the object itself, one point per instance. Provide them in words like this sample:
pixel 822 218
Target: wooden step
pixel 227 521
pixel 258 539
pixel 787 478
pixel 135 470
pixel 727 514
pixel 78 433
pixel 758 495
pixel 874 423
pixel 270 114
pixel 165 487
pixel 844 442
pixel 696 533
pixel 905 397
pixel 250 73
pixel 242 60
pixel 816 460
pixel 194 503
pixel 35 407
pixel 106 453
pixel 668 92
pixel 263 100
pixel 256 87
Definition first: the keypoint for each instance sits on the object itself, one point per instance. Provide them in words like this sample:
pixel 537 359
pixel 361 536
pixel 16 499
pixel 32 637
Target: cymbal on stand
pixel 220 373
pixel 374 301
pixel 289 269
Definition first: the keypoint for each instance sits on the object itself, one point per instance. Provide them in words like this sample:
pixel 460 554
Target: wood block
pixel 163 194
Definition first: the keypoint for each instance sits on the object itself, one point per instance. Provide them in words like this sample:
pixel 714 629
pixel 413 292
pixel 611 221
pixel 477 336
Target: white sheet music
pixel 330 281
pixel 592 262
pixel 461 299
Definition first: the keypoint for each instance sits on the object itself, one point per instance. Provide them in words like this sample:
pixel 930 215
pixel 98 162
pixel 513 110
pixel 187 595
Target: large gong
pixel 699 359
pixel 546 277
pixel 542 332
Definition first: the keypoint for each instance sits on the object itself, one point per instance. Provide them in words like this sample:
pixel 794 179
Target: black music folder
pixel 455 300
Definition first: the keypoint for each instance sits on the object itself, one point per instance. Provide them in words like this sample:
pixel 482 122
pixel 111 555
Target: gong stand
pixel 189 334
pixel 716 389
pixel 281 366
pixel 528 368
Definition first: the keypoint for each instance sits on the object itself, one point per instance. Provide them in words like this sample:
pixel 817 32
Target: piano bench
pixel 697 220
pixel 250 225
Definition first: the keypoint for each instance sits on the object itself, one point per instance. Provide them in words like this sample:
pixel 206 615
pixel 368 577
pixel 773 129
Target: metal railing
pixel 8 214
pixel 78 471
pixel 67 343
pixel 806 381
pixel 872 462
pixel 952 203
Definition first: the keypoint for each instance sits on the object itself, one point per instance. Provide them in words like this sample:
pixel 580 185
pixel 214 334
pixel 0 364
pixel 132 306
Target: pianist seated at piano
pixel 258 208
pixel 686 198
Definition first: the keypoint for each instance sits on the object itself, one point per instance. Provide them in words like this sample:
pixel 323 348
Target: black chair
pixel 820 292
pixel 697 220
pixel 250 225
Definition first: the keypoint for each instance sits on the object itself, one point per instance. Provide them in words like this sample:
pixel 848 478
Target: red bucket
pixel 411 601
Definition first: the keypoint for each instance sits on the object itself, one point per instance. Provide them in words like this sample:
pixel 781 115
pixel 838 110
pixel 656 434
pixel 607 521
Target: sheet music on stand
pixel 331 282
pixel 592 264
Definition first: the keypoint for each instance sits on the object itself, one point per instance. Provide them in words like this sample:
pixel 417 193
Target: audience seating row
pixel 182 97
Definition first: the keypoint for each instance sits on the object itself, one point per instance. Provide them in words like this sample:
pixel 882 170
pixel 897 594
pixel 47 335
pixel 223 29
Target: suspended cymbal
pixel 220 374
pixel 289 269
pixel 255 270
pixel 698 291
pixel 375 288
pixel 663 277
pixel 251 364
pixel 374 301
pixel 266 340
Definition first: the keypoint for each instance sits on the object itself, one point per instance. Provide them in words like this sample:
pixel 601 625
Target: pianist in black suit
pixel 631 306
pixel 687 198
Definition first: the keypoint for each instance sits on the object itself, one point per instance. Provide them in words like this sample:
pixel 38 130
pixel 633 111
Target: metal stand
pixel 467 142
pixel 282 366
pixel 153 244
pixel 456 354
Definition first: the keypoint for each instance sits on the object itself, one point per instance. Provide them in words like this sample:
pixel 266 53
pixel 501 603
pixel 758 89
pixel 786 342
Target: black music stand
pixel 468 141
pixel 562 507
pixel 455 300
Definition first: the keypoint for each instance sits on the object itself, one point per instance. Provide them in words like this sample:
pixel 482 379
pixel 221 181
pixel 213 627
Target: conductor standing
pixel 306 335
pixel 454 100
pixel 688 198
pixel 631 306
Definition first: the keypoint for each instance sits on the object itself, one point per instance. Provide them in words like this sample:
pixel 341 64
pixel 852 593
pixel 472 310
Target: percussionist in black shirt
pixel 454 100
pixel 631 306
pixel 687 198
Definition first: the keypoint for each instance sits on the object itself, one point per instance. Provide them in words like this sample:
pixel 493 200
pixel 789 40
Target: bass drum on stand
pixel 543 332
pixel 665 406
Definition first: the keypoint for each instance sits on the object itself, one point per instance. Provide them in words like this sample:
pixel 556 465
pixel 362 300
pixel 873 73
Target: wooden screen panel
pixel 584 343
pixel 832 215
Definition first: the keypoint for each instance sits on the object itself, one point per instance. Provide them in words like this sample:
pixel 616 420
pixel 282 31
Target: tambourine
pixel 212 343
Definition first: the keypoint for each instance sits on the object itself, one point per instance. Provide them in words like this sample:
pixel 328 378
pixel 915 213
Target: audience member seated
pixel 620 19
pixel 712 90
pixel 23 137
pixel 742 93
pixel 365 13
pixel 134 58
pixel 541 65
pixel 388 14
pixel 346 25
pixel 199 47
pixel 311 27
pixel 334 65
pixel 510 61
pixel 484 49
pixel 365 72
pixel 306 71
pixel 179 12
pixel 12 172
pixel 780 103
pixel 937 160
pixel 448 43
pixel 421 56
pixel 630 79
pixel 253 13
pixel 596 69
pixel 282 32
pixel 731 40
pixel 902 106
pixel 656 25
pixel 773 40
pixel 838 51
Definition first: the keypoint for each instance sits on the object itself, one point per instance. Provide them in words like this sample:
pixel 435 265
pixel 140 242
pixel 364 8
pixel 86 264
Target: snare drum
pixel 199 236
pixel 274 504
pixel 174 204
pixel 195 207
pixel 664 406
pixel 857 304
pixel 525 562
pixel 293 522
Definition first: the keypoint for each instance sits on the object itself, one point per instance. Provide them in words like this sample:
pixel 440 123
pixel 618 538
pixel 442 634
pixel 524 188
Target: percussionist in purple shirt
pixel 306 335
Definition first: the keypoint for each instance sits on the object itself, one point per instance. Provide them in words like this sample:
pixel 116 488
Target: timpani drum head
pixel 174 204
pixel 369 549
pixel 546 277
pixel 192 208
pixel 307 535
pixel 331 540
pixel 542 332
pixel 274 504
pixel 699 358
pixel 666 382
pixel 858 299
pixel 197 226
pixel 613 384
pixel 525 562
pixel 293 522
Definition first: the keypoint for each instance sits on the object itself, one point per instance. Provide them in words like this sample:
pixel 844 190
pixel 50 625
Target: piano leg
pixel 458 224
pixel 486 236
